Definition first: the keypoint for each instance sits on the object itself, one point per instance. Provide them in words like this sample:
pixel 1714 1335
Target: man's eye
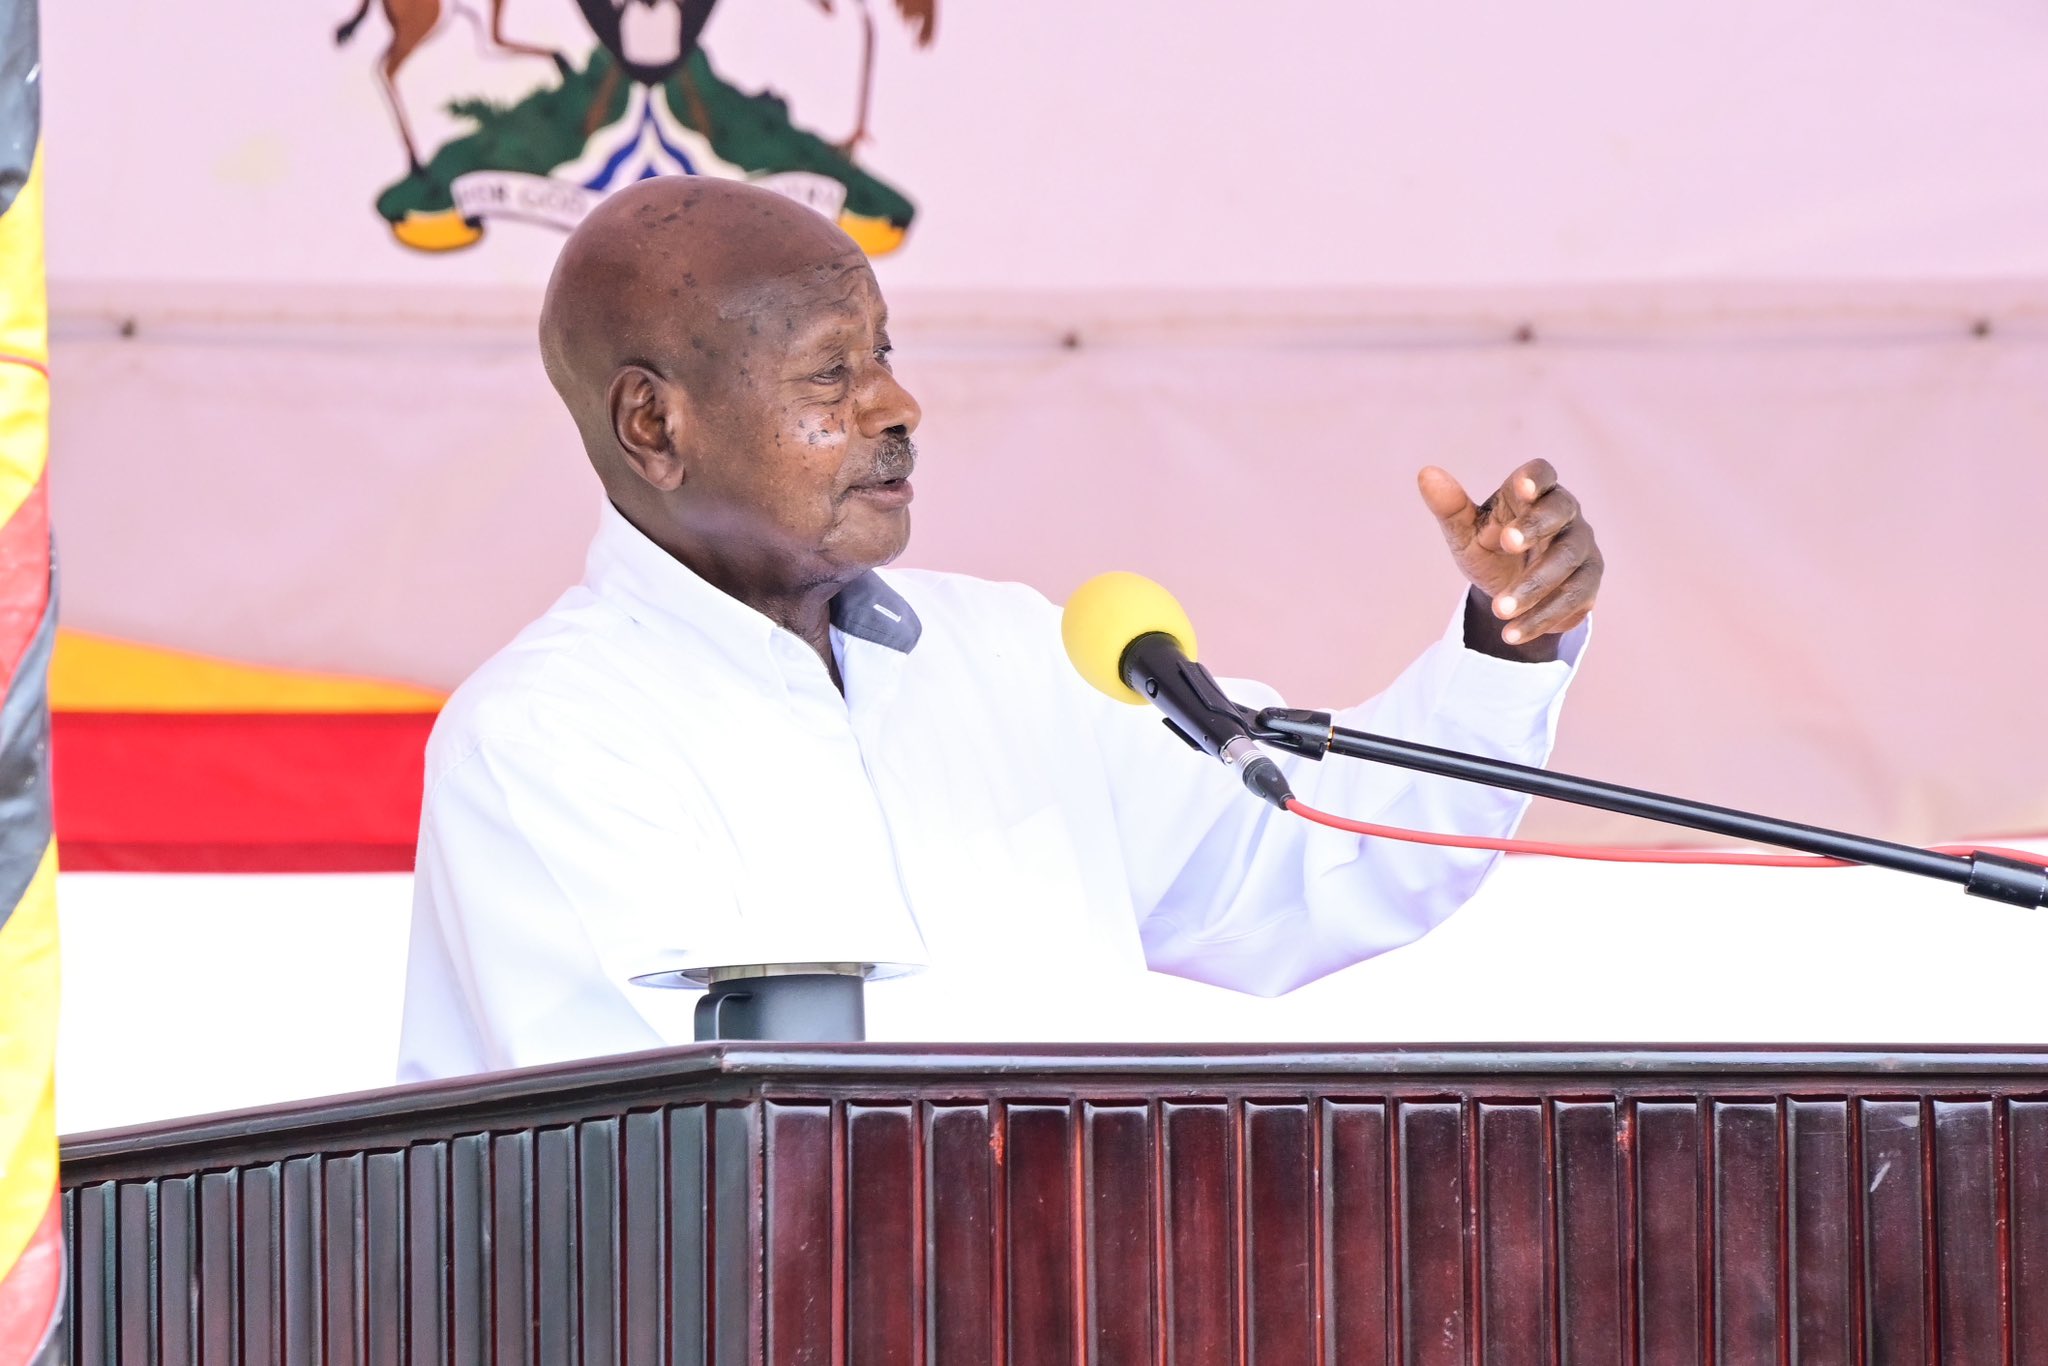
pixel 832 376
pixel 882 354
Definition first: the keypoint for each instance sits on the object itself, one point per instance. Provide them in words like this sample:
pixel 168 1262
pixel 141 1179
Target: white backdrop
pixel 194 994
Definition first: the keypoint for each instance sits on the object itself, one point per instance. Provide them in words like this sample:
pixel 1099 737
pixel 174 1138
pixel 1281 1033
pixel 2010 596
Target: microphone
pixel 1128 637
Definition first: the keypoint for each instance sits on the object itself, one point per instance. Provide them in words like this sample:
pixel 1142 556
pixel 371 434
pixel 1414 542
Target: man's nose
pixel 889 405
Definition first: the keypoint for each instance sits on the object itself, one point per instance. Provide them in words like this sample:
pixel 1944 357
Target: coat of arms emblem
pixel 645 101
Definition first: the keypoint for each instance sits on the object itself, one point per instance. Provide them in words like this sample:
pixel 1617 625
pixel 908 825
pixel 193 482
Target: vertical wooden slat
pixel 511 1224
pixel 341 1257
pixel 959 1236
pixel 135 1272
pixel 1968 1221
pixel 262 1278
pixel 1822 1207
pixel 1671 1314
pixel 384 1257
pixel 177 1258
pixel 301 1241
pixel 2027 1162
pixel 93 1259
pixel 797 1252
pixel 1280 1233
pixel 688 1302
pixel 1432 1214
pixel 1120 1223
pixel 1590 1234
pixel 600 1283
pixel 1747 1255
pixel 67 1322
pixel 1355 1234
pixel 220 1255
pixel 883 1325
pixel 1038 1228
pixel 643 1196
pixel 734 1170
pixel 1895 1267
pixel 472 1257
pixel 426 1255
pixel 1625 1230
pixel 1514 1236
pixel 555 1254
pixel 1200 1254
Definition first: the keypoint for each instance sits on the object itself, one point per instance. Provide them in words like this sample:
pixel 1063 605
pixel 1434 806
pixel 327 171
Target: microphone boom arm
pixel 1314 734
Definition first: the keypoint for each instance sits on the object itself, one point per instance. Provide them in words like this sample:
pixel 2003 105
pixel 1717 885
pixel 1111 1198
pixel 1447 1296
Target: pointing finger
pixel 1531 482
pixel 1521 490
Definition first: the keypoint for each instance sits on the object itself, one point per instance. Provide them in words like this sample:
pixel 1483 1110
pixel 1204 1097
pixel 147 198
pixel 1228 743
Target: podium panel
pixel 868 1204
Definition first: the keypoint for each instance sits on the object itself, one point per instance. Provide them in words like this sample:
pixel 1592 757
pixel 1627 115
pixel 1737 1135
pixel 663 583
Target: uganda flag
pixel 31 1234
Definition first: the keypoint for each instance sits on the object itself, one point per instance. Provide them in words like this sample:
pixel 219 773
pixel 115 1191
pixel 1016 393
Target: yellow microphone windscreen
pixel 1110 611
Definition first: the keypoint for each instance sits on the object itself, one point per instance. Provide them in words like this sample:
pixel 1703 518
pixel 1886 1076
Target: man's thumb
pixel 1450 504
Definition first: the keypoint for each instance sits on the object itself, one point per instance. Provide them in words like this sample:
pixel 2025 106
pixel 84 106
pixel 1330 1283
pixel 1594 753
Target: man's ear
pixel 648 415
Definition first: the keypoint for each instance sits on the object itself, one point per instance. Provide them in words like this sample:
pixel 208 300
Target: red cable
pixel 1610 855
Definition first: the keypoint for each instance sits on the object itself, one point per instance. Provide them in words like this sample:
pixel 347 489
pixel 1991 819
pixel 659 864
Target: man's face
pixel 804 450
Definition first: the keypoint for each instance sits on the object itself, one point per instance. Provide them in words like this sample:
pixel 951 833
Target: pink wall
pixel 1071 144
pixel 1752 243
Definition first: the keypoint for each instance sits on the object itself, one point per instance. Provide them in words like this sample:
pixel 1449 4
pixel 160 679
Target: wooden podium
pixel 870 1204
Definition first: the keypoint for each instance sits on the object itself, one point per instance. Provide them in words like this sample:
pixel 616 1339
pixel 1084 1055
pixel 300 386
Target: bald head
pixel 672 274
pixel 724 351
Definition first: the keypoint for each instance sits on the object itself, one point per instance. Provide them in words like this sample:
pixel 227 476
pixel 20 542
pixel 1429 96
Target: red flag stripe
pixel 30 1292
pixel 281 792
pixel 25 573
pixel 235 856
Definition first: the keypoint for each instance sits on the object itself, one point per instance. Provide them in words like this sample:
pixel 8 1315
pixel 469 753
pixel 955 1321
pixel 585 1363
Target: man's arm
pixel 544 883
pixel 1238 894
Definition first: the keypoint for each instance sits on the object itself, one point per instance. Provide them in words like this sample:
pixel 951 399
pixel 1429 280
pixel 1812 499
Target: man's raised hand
pixel 1530 557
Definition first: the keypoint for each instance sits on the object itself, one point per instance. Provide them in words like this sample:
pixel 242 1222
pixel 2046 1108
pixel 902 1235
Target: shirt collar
pixel 869 609
pixel 656 588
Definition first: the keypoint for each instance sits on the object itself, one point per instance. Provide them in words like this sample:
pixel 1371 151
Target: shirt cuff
pixel 1506 697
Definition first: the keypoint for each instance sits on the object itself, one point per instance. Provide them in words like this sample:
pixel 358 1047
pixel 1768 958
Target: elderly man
pixel 735 724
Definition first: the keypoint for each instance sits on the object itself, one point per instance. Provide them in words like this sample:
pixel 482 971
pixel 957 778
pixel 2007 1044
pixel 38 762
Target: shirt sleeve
pixel 1233 892
pixel 532 913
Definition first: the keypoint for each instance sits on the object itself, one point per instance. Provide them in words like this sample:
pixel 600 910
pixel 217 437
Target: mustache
pixel 895 458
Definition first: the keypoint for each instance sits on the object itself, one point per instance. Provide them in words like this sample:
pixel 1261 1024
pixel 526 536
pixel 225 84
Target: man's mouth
pixel 889 481
pixel 885 492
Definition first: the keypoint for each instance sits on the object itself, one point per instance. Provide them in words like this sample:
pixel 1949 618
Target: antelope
pixel 412 23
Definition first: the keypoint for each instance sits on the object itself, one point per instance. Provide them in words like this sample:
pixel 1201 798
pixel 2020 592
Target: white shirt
pixel 654 776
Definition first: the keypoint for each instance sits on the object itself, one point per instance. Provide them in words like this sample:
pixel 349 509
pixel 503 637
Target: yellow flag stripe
pixel 28 1061
pixel 24 337
pixel 99 673
pixel 24 323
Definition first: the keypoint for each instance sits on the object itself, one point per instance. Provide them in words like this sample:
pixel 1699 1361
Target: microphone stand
pixel 1314 734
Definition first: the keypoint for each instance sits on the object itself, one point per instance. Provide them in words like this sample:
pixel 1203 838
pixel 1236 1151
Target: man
pixel 737 742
